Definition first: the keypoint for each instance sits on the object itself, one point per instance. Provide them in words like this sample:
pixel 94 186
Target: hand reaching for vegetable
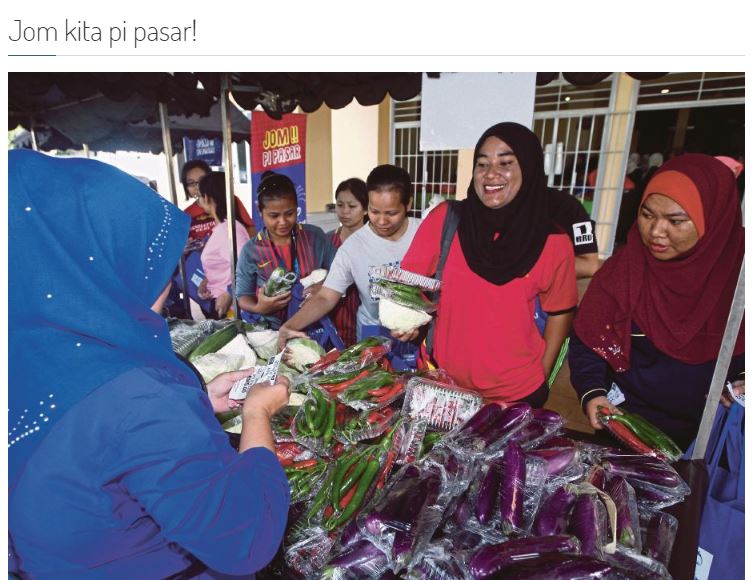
pixel 269 304
pixel 222 303
pixel 405 335
pixel 219 387
pixel 285 334
pixel 591 410
pixel 739 388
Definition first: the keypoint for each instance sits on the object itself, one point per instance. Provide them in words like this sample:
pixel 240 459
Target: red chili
pixel 397 388
pixel 304 464
pixel 386 365
pixel 628 437
pixel 371 354
pixel 346 499
pixel 325 361
pixel 381 391
pixel 285 461
pixel 386 470
pixel 338 449
pixel 328 511
pixel 338 387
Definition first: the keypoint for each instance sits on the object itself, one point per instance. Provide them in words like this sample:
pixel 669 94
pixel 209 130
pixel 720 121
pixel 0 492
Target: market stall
pixel 410 475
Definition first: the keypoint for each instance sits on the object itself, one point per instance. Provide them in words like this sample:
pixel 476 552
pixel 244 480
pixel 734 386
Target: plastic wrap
pixel 314 423
pixel 362 559
pixel 352 426
pixel 410 438
pixel 394 274
pixel 562 567
pixel 637 566
pixel 544 425
pixel 588 522
pixel 309 556
pixel 656 483
pixel 443 406
pixel 659 530
pixel 378 389
pixel 562 463
pixel 490 561
pixel 214 364
pixel 186 335
pixel 305 476
pixel 361 355
pixel 627 512
pixel 264 343
pixel 485 433
pixel 639 434
pixel 519 497
pixel 440 560
pixel 554 513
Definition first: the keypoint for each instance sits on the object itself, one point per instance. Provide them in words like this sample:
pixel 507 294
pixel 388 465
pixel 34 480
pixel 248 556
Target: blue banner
pixel 204 149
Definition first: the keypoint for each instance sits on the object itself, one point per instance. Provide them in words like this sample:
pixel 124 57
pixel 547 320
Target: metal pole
pixel 167 147
pixel 33 133
pixel 229 193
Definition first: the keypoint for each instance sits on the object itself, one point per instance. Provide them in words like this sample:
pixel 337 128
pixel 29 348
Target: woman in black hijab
pixel 505 254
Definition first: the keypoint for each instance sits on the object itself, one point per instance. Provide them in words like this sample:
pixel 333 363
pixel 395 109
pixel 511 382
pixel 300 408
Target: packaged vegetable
pixel 490 561
pixel 627 511
pixel 279 282
pixel 395 316
pixel 659 530
pixel 303 352
pixel 639 434
pixel 444 407
pixel 554 514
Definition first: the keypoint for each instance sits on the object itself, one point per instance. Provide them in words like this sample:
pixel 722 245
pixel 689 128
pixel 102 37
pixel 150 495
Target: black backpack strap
pixel 449 227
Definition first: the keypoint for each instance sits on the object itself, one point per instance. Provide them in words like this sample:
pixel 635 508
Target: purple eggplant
pixel 558 460
pixel 553 516
pixel 557 442
pixel 547 417
pixel 392 506
pixel 513 417
pixel 512 484
pixel 586 523
pixel 560 567
pixel 533 430
pixel 482 419
pixel 427 493
pixel 636 566
pixel 362 559
pixel 491 560
pixel 462 512
pixel 624 498
pixel 662 475
pixel 488 490
pixel 660 536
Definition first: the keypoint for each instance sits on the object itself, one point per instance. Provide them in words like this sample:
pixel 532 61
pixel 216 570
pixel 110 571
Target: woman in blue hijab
pixel 117 466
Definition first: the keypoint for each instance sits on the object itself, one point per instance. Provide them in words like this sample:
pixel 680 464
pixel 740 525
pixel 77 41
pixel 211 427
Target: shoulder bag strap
pixel 449 227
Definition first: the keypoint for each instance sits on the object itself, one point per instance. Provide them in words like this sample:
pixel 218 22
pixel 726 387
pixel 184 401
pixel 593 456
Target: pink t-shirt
pixel 485 336
pixel 216 257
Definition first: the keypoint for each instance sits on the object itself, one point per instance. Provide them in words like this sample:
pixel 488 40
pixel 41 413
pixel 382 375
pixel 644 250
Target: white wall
pixel 355 140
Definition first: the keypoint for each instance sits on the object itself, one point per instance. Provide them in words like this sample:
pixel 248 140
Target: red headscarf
pixel 681 305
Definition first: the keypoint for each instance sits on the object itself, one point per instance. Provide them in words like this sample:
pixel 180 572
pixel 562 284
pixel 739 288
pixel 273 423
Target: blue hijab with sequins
pixel 90 250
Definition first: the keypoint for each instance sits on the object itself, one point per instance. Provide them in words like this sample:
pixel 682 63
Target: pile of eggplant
pixel 505 495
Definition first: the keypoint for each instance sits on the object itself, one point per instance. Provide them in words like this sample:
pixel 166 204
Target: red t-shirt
pixel 202 223
pixel 485 335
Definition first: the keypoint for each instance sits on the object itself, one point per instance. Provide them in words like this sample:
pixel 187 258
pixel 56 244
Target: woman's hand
pixel 591 410
pixel 222 303
pixel 405 335
pixel 219 387
pixel 267 399
pixel 269 304
pixel 739 388
pixel 204 294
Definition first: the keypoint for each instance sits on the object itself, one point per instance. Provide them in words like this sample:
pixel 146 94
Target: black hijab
pixel 523 225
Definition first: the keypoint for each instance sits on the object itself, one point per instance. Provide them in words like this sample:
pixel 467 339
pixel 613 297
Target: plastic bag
pixel 440 560
pixel 656 483
pixel 308 556
pixel 658 535
pixel 627 512
pixel 352 426
pixel 488 431
pixel 362 559
pixel 544 425
pixel 314 423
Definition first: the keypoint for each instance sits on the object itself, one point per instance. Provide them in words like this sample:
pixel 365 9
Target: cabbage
pixel 303 352
pixel 239 346
pixel 264 343
pixel 212 364
pixel 394 316
pixel 315 277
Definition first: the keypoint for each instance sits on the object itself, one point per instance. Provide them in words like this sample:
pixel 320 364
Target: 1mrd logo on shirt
pixel 582 233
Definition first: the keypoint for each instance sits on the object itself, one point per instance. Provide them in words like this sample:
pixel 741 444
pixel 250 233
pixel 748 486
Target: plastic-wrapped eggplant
pixel 490 560
pixel 636 566
pixel 399 497
pixel 482 419
pixel 360 560
pixel 561 567
pixel 662 475
pixel 462 511
pixel 488 490
pixel 512 483
pixel 587 523
pixel 426 493
pixel 597 477
pixel 557 443
pixel 513 417
pixel 660 536
pixel 558 460
pixel 628 531
pixel 553 516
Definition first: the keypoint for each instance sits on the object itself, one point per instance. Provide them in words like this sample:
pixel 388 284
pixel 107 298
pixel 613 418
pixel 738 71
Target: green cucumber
pixel 216 340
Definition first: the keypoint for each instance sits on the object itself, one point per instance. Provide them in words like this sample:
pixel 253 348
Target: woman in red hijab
pixel 649 328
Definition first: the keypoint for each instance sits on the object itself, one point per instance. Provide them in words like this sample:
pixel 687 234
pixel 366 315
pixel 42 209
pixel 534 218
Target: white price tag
pixel 703 564
pixel 615 395
pixel 740 399
pixel 268 372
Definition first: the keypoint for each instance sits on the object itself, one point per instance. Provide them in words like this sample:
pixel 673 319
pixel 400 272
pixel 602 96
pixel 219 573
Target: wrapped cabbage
pixel 264 343
pixel 394 316
pixel 212 364
pixel 240 347
pixel 303 352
